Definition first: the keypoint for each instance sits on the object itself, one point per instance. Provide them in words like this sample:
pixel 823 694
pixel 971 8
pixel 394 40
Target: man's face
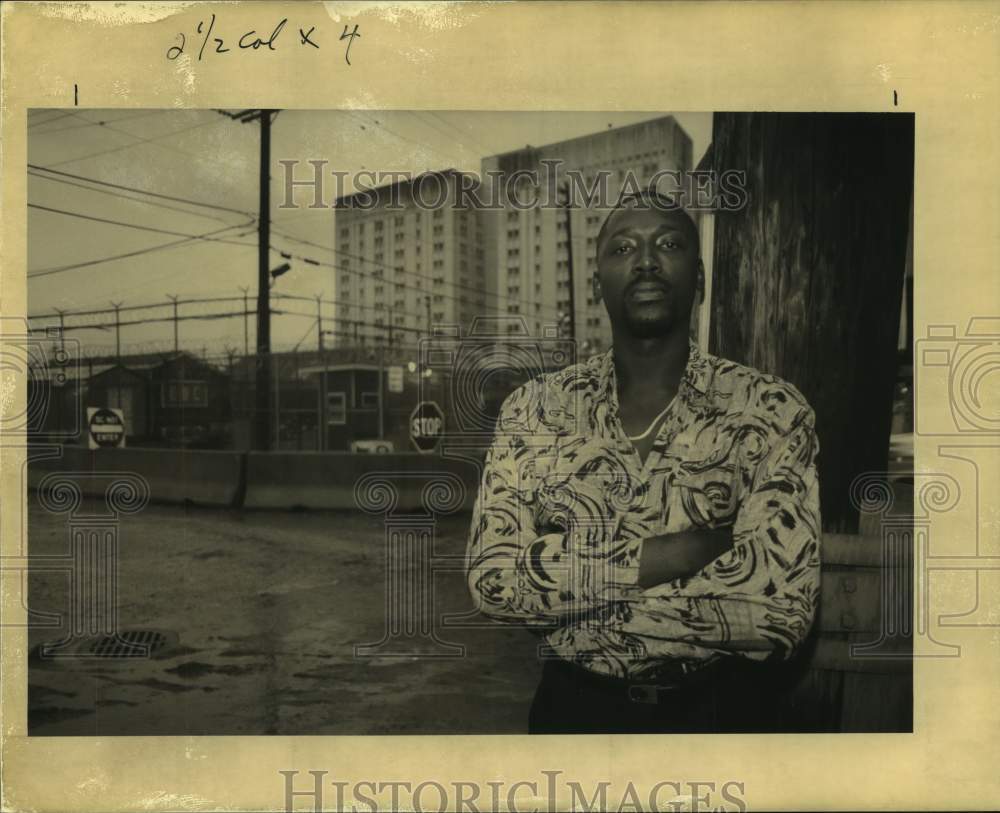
pixel 648 270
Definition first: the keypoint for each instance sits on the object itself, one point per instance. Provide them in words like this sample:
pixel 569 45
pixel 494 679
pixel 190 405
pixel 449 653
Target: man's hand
pixel 679 555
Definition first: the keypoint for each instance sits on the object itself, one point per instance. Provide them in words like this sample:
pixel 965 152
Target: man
pixel 652 512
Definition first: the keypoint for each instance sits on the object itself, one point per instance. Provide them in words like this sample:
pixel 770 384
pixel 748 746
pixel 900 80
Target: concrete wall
pixel 174 475
pixel 275 480
pixel 340 480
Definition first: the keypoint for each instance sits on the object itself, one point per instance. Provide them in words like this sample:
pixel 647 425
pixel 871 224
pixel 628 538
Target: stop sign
pixel 426 426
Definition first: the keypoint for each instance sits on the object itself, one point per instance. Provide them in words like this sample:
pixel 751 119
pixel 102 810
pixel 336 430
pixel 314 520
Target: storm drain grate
pixel 125 644
pixel 129 644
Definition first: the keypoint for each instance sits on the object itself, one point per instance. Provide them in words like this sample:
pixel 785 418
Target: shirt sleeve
pixel 518 572
pixel 759 599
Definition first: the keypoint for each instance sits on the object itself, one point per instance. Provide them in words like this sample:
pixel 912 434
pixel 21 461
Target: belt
pixel 669 682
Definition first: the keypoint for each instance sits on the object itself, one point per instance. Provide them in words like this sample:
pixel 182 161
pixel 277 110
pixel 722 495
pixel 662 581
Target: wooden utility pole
pixel 176 342
pixel 263 429
pixel 262 406
pixel 118 353
pixel 808 275
pixel 246 323
pixel 319 323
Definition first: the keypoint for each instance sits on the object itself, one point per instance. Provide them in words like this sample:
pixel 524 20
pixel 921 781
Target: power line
pixel 452 284
pixel 456 128
pixel 217 315
pixel 44 272
pixel 120 196
pixel 36 123
pixel 151 140
pixel 373 121
pixel 149 306
pixel 151 320
pixel 464 136
pixel 202 301
pixel 154 141
pixel 174 198
pixel 395 268
pixel 134 225
pixel 89 123
pixel 343 303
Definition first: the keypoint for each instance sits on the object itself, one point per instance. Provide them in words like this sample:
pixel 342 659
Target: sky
pixel 204 156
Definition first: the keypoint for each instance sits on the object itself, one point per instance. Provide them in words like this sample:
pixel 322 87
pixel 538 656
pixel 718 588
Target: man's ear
pixel 596 282
pixel 700 284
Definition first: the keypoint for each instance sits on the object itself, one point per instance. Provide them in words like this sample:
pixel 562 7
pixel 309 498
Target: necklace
pixel 655 421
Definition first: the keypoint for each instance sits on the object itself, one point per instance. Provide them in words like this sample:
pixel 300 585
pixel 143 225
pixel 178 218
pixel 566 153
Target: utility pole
pixel 174 300
pixel 246 322
pixel 263 285
pixel 262 428
pixel 427 301
pixel 319 323
pixel 567 205
pixel 381 393
pixel 118 353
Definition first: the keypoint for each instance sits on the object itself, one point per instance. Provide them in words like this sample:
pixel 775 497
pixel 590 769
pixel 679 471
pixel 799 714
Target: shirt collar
pixel 697 376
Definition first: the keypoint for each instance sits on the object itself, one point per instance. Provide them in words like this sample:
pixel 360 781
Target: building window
pixel 336 408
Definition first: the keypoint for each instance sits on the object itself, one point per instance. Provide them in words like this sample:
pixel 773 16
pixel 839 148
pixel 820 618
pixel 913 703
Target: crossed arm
pixel 751 588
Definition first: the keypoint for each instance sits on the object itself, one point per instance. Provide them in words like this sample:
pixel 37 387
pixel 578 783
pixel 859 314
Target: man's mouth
pixel 647 292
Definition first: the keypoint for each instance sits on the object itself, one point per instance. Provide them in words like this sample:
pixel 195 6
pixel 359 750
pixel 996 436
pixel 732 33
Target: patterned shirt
pixel 565 501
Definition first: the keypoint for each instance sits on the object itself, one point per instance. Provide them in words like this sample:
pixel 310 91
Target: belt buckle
pixel 643 693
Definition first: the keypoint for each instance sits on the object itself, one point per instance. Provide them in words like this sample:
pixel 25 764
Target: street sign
pixel 106 428
pixel 426 426
pixel 395 379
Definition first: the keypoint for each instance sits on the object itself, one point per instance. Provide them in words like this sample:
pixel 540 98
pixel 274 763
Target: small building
pixel 349 396
pixel 174 400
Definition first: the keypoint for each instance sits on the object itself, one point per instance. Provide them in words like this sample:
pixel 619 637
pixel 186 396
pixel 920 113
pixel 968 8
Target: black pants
pixel 736 698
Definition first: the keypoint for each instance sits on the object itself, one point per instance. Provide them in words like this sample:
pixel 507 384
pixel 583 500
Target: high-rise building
pixel 410 257
pixel 535 253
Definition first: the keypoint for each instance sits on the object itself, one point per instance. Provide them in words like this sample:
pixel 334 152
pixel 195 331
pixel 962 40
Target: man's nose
pixel 646 260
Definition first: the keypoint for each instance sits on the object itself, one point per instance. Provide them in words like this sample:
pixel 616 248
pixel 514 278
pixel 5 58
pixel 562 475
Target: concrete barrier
pixel 201 477
pixel 377 483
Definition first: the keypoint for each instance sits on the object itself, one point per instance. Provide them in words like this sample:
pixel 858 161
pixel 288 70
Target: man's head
pixel 649 269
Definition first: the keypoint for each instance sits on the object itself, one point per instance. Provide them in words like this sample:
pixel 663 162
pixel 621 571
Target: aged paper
pixel 938 60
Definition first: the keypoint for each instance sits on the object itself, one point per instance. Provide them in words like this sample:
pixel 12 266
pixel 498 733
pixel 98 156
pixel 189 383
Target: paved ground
pixel 268 607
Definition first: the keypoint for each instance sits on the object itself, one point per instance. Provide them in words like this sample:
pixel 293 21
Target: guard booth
pixel 348 403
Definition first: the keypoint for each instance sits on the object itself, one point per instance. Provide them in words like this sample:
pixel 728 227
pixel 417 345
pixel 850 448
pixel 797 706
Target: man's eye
pixel 622 249
pixel 669 244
